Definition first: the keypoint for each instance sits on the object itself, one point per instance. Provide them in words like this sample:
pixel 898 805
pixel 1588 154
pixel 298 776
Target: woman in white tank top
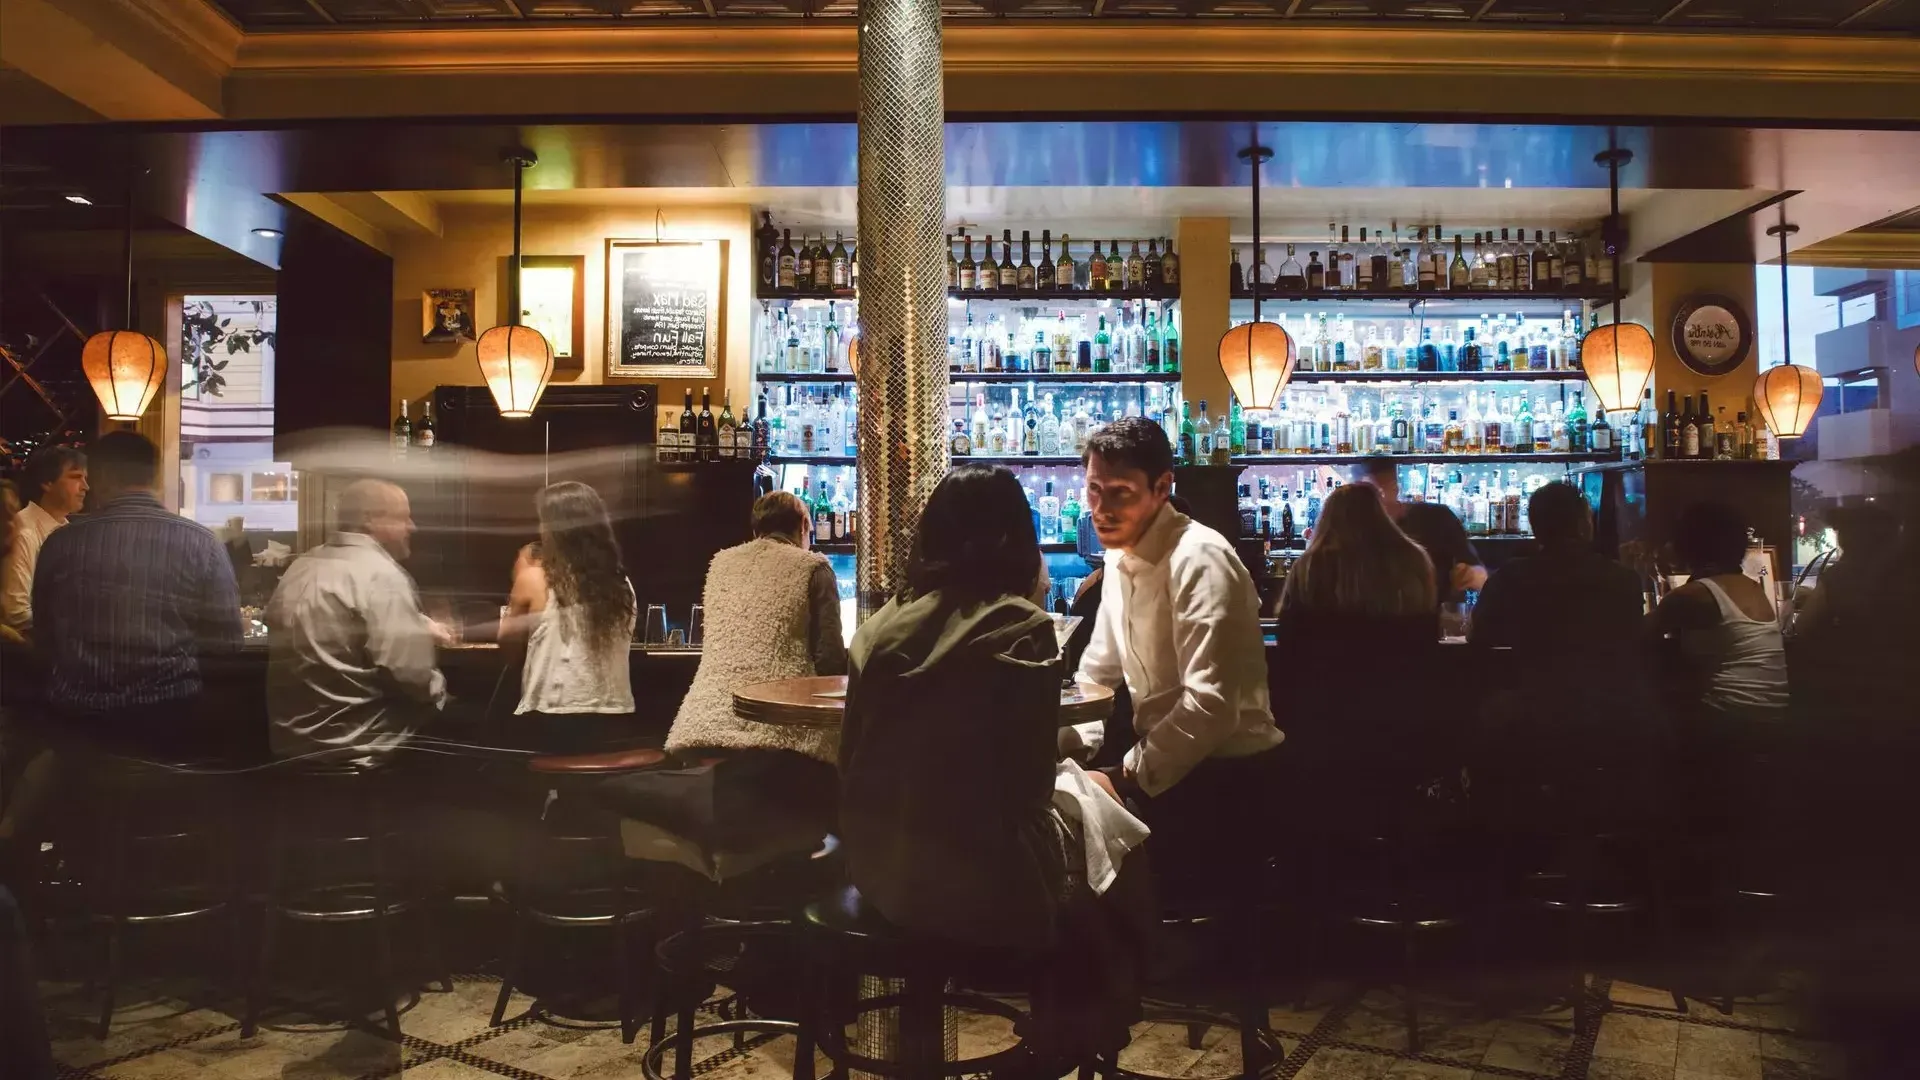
pixel 1728 655
pixel 573 607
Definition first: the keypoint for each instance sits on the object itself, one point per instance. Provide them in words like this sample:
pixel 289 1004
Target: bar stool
pixel 353 805
pixel 163 854
pixel 547 890
pixel 847 938
pixel 744 916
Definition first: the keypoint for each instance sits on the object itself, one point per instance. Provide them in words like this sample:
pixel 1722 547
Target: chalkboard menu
pixel 663 302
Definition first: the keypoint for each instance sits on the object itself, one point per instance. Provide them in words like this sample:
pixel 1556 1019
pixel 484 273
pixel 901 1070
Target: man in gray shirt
pixel 351 667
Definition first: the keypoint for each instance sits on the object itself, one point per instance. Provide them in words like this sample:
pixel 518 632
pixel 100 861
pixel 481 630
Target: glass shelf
pixel 1467 377
pixel 1071 378
pixel 838 548
pixel 1038 295
pixel 1426 459
pixel 1011 461
pixel 1469 297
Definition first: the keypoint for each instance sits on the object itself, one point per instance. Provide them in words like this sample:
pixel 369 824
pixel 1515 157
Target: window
pixel 227 469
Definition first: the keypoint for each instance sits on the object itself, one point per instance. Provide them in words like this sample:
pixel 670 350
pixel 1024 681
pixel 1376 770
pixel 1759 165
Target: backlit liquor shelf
pixel 1427 459
pixel 1009 460
pixel 1364 377
pixel 835 547
pixel 1075 378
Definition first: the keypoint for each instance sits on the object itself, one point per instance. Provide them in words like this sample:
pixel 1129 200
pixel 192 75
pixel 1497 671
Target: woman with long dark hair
pixel 573 607
pixel 948 760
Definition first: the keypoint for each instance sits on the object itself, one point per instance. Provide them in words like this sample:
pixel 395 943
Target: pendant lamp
pixel 1616 358
pixel 1258 357
pixel 125 367
pixel 515 361
pixel 1787 396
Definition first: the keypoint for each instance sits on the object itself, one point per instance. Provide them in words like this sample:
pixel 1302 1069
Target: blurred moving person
pixel 351 669
pixel 1457 569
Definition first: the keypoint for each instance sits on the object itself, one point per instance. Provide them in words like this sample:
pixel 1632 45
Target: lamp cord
pixel 1254 160
pixel 1613 228
pixel 513 280
pixel 128 245
pixel 1786 314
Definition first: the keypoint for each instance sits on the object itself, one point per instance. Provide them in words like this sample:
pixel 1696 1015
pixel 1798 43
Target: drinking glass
pixel 655 631
pixel 1455 620
pixel 696 624
pixel 676 638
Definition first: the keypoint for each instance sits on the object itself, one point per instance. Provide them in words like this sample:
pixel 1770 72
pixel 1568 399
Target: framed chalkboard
pixel 663 308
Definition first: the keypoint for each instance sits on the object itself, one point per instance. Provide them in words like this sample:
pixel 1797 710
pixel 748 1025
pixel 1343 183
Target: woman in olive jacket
pixel 947 762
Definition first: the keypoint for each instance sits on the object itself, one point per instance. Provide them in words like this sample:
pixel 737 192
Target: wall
pixel 1657 291
pixel 470 252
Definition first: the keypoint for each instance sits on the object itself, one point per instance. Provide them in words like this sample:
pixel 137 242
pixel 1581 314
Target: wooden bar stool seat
pixel 616 761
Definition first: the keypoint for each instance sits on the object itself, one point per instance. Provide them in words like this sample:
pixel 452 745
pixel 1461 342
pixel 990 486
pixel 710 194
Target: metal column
pixel 903 284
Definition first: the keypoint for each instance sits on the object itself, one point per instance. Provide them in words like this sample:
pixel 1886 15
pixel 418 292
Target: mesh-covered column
pixel 903 284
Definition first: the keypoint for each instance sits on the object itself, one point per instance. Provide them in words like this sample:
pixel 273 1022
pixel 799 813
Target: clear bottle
pixel 1136 271
pixel 1427 275
pixel 1291 277
pixel 1372 357
pixel 1064 270
pixel 1454 438
pixel 1203 437
pixel 1049 515
pixel 1349 271
pixel 1396 262
pixel 1572 265
pixel 1477 269
pixel 1363 263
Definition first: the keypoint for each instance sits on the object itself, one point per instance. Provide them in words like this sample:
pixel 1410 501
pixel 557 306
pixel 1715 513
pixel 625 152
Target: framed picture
pixel 446 316
pixel 1712 334
pixel 553 300
pixel 663 308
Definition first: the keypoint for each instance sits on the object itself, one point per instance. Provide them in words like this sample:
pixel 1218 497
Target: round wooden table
pixel 820 701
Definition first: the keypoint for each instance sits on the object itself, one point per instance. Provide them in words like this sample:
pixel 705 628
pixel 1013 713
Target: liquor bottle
pixel 1555 262
pixel 1316 274
pixel 1136 269
pixel 803 265
pixel 1236 428
pixel 762 436
pixel 823 264
pixel 1437 259
pixel 688 448
pixel 1070 515
pixel 1362 264
pixel 788 269
pixel 1064 270
pixel 1649 425
pixel 402 430
pixel 767 240
pixel 1189 434
pixel 1349 275
pixel 1579 432
pixel 1150 267
pixel 1291 277
pixel 1116 269
pixel 1670 431
pixel 1150 340
pixel 725 430
pixel 987 277
pixel 1263 275
pixel 967 269
pixel 1725 441
pixel 822 508
pixel 1743 438
pixel 1599 265
pixel 423 433
pixel 953 266
pixel 1202 437
pixel 1703 421
pixel 1689 432
pixel 1169 346
pixel 1524 256
pixel 1458 276
pixel 707 435
pixel 1425 275
pixel 1396 262
pixel 1540 264
pixel 1170 269
pixel 1102 349
pixel 1049 516
pixel 1009 273
pixel 1096 270
pixel 1477 266
pixel 1043 271
pixel 1470 352
pixel 1024 276
pixel 1503 265
pixel 1572 266
pixel 1379 258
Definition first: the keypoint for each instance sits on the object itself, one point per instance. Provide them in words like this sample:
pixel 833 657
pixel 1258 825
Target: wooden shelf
pixel 1463 296
pixel 1036 295
pixel 1011 461
pixel 1071 378
pixel 838 548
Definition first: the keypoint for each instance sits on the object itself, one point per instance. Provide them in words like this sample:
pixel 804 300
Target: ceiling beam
pixel 333 211
pixel 395 213
pixel 168 59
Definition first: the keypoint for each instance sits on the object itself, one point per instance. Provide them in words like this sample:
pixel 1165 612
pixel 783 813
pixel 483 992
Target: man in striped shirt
pixel 128 601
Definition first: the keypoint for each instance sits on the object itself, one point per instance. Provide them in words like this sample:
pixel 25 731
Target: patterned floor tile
pixel 444 1069
pixel 1820 1059
pixel 1722 1053
pixel 1338 1064
pixel 296 1054
pixel 1423 1070
pixel 1617 1069
pixel 1638 1038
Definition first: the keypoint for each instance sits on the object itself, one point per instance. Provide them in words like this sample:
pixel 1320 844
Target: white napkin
pixel 1108 830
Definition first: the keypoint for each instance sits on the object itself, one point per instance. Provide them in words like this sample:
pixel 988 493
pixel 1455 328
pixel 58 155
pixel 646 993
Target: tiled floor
pixel 1342 1034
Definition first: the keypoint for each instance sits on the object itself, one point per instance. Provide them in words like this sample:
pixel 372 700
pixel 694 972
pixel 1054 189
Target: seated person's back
pixel 1721 647
pixel 1567 600
pixel 351 668
pixel 130 599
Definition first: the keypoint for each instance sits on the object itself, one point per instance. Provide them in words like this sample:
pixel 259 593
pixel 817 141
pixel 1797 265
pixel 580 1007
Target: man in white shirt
pixel 56 482
pixel 1179 624
pixel 351 664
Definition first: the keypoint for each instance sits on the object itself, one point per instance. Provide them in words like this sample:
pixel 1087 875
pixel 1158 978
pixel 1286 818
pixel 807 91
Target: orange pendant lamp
pixel 1617 358
pixel 1257 357
pixel 124 367
pixel 515 361
pixel 1788 396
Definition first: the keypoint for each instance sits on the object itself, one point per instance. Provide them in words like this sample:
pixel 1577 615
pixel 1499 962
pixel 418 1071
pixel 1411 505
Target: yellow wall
pixel 469 254
pixel 1658 290
pixel 1205 252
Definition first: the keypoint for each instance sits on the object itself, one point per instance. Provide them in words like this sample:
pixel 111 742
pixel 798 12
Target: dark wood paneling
pixel 334 354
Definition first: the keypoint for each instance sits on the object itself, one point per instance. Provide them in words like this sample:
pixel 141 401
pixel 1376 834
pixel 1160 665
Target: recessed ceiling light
pixel 78 199
pixel 271 234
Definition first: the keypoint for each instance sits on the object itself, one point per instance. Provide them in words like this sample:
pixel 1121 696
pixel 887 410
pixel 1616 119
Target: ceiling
pixel 1845 16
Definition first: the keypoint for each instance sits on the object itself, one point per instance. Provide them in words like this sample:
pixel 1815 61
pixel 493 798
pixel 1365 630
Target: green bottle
pixel 1186 433
pixel 1169 347
pixel 1236 428
pixel 1102 349
pixel 1070 516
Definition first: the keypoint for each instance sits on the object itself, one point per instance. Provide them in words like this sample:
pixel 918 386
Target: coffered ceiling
pixel 1846 16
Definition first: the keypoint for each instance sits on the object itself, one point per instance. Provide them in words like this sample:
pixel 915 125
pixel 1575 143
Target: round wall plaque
pixel 1712 334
